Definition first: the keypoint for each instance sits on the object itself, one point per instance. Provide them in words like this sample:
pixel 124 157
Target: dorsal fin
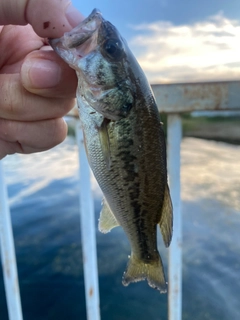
pixel 166 222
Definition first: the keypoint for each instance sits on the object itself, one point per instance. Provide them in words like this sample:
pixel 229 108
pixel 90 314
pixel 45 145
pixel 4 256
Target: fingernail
pixel 40 73
pixel 73 16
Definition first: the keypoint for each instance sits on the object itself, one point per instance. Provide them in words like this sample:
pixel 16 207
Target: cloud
pixel 204 51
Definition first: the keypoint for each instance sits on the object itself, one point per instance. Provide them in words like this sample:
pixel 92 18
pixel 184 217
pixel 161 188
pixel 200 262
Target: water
pixel 43 192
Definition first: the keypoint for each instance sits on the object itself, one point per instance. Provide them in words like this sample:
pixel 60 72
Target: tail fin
pixel 138 270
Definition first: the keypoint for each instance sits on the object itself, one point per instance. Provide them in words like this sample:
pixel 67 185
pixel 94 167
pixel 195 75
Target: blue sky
pixel 178 40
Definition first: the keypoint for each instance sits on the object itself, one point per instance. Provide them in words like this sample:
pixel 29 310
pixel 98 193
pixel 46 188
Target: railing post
pixel 8 255
pixel 174 136
pixel 88 233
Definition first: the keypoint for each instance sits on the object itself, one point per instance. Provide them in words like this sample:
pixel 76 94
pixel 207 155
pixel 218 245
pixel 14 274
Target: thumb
pixel 46 74
pixel 48 18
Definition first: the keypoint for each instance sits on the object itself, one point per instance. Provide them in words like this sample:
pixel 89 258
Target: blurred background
pixel 174 41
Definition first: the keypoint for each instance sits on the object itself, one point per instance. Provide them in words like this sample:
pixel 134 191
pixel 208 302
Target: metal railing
pixel 172 99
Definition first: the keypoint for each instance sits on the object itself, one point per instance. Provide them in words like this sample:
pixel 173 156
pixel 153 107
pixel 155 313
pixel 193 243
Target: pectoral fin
pixel 166 222
pixel 107 220
pixel 105 143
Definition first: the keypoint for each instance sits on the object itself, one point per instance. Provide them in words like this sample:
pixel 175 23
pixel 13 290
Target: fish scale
pixel 124 141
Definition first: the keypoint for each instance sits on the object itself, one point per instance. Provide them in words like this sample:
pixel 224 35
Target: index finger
pixel 48 18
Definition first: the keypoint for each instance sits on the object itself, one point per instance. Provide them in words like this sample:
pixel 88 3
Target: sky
pixel 178 40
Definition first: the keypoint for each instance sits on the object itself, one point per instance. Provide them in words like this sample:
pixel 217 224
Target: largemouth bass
pixel 124 142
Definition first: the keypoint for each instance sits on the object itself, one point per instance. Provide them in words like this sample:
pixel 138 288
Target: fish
pixel 124 142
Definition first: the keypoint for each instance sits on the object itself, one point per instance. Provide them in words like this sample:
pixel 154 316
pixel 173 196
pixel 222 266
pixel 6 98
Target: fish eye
pixel 113 48
pixel 126 108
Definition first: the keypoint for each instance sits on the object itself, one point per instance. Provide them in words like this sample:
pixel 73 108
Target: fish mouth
pixel 80 40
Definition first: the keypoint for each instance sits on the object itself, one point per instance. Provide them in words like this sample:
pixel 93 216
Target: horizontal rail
pixel 187 97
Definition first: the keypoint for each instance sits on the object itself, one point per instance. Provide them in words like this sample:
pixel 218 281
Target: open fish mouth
pixel 92 48
pixel 79 41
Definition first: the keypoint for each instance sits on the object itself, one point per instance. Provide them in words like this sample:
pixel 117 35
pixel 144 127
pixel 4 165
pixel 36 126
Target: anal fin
pixel 107 220
pixel 166 222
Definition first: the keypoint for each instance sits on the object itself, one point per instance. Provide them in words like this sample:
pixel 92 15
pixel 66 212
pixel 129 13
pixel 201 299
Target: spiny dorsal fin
pixel 166 222
pixel 105 143
pixel 107 220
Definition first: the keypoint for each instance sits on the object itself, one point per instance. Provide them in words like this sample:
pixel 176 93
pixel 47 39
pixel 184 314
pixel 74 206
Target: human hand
pixel 36 87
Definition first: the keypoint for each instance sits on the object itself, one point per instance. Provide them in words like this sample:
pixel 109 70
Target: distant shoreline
pixel 224 129
pixel 217 139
